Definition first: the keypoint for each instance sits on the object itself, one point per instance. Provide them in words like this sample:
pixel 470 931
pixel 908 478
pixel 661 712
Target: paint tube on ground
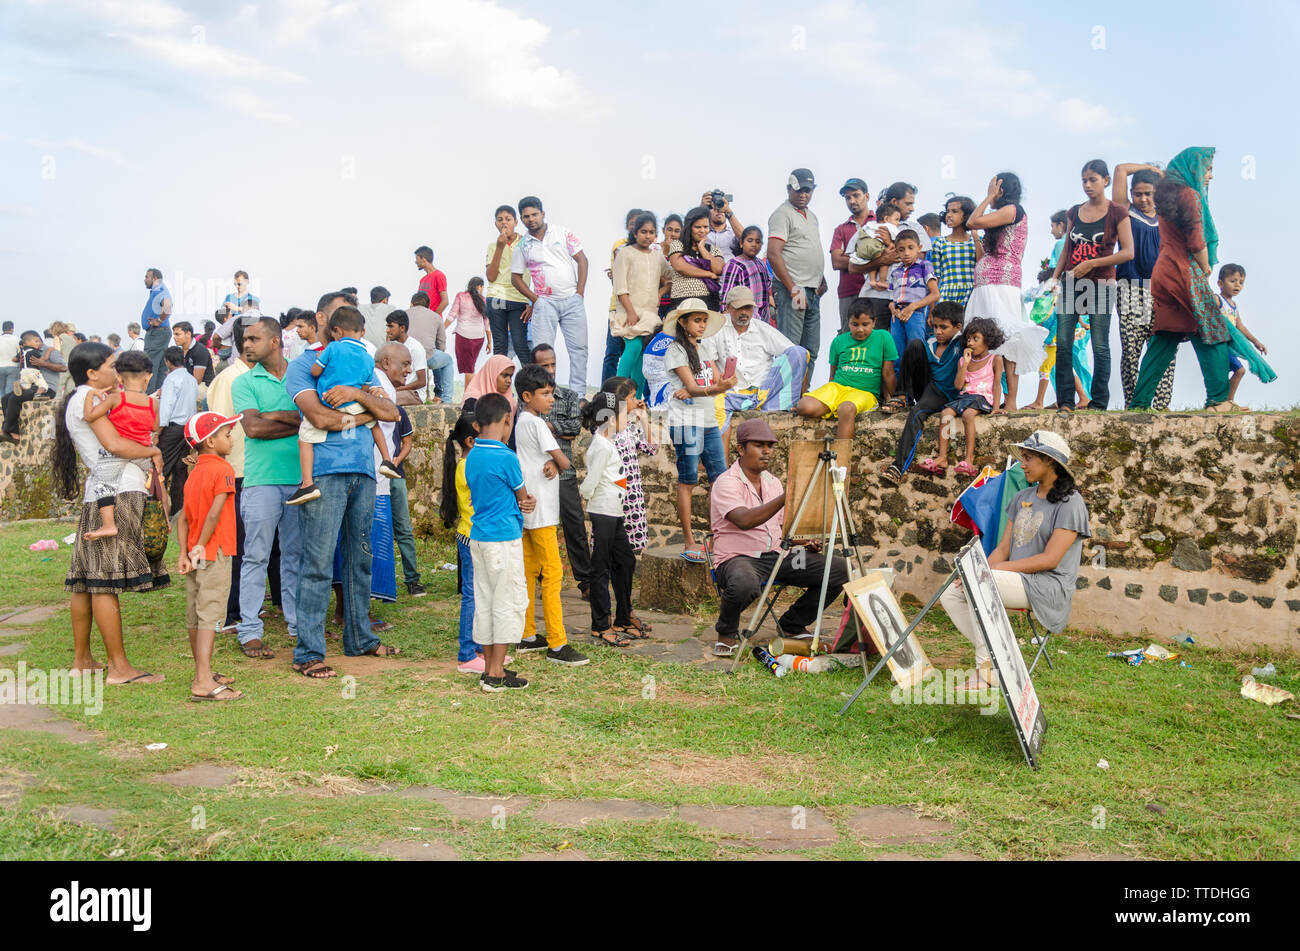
pixel 1133 658
pixel 768 661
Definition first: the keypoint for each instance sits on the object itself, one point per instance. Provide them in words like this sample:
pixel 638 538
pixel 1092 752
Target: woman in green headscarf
pixel 1184 305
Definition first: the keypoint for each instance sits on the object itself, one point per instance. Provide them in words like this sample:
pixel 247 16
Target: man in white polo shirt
pixel 554 260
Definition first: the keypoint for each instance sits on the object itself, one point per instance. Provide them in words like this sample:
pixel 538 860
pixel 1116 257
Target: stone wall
pixel 1194 515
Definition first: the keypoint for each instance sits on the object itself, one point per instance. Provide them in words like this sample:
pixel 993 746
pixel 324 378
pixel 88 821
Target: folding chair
pixel 713 578
pixel 1042 637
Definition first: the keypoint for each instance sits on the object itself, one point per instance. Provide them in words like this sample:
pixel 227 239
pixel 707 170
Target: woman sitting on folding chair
pixel 1037 561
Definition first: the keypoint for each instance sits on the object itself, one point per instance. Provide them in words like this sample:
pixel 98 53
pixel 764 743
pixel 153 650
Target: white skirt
pixel 1002 303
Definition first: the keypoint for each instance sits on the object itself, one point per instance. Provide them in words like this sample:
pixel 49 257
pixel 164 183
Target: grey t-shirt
pixel 803 255
pixel 694 410
pixel 1031 521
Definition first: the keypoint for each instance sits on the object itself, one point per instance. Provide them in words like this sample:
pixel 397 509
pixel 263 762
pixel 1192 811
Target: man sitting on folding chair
pixel 747 513
pixel 1036 563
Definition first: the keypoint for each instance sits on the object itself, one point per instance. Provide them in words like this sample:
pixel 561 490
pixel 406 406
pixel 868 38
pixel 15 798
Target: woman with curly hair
pixel 1185 308
pixel 101 569
pixel 1037 561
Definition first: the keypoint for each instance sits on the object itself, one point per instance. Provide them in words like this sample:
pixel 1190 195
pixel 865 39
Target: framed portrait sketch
pixel 883 619
pixel 991 615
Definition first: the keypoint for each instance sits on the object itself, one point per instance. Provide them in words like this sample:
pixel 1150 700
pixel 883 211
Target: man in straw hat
pixel 1037 560
pixel 770 371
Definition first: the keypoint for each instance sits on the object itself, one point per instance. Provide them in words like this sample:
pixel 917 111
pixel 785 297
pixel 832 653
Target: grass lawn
pixel 1195 771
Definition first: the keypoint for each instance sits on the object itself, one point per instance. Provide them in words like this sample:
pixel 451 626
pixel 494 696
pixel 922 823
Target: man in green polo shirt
pixel 271 475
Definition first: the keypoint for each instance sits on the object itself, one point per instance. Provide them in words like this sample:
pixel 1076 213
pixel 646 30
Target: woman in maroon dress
pixel 1184 305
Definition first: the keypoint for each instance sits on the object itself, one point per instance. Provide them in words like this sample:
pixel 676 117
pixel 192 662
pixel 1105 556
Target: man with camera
pixel 724 226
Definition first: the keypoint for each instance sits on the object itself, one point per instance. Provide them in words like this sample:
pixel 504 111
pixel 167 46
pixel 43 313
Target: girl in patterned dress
pixel 997 279
pixel 631 442
pixel 956 254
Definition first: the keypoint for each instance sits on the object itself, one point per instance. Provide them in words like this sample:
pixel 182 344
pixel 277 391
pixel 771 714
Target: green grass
pixel 1222 768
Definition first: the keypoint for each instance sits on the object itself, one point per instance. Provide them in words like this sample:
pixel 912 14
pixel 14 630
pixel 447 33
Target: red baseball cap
pixel 202 425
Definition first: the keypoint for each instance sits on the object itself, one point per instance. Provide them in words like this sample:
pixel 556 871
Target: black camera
pixel 718 198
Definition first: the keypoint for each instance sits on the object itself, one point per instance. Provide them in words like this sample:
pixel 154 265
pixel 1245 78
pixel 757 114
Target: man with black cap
pixel 794 249
pixel 747 514
pixel 858 198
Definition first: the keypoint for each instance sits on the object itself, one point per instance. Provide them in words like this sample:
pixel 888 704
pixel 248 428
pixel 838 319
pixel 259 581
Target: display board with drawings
pixel 1022 700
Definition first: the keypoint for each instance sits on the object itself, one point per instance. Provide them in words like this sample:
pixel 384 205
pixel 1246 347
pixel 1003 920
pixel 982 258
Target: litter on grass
pixel 1102 764
pixel 155 747
pixel 1150 653
pixel 1266 694
pixel 1268 670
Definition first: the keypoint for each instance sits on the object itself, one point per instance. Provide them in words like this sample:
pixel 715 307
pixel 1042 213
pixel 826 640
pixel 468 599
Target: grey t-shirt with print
pixel 695 410
pixel 1031 521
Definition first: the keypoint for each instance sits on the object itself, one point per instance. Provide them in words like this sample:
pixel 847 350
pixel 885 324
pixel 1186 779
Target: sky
pixel 316 144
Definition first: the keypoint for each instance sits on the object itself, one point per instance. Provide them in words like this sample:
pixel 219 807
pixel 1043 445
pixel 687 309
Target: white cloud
pixel 496 52
pixel 253 105
pixel 69 145
pixel 124 14
pixel 208 58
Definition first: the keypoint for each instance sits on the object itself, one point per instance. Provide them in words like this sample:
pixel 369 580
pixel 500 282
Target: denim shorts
pixel 690 443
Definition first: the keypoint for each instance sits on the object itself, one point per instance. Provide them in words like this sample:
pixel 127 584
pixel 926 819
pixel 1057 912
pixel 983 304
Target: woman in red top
pixel 1185 307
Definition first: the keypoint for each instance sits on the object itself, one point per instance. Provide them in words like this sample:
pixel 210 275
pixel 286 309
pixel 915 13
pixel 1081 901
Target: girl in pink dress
pixel 997 279
pixel 979 381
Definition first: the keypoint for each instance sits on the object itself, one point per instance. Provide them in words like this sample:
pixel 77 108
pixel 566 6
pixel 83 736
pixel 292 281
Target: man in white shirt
pixel 136 341
pixel 376 315
pixel 416 389
pixel 770 371
pixel 8 357
pixel 554 260
pixel 725 228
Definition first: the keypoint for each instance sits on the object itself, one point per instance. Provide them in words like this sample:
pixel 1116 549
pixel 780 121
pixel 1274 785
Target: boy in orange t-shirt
pixel 206 530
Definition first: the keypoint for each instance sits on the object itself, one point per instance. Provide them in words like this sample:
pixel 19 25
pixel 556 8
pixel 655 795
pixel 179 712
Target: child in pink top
pixel 468 315
pixel 979 381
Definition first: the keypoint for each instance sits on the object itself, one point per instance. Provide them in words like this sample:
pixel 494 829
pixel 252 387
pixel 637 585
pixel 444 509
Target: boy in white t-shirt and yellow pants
pixel 541 461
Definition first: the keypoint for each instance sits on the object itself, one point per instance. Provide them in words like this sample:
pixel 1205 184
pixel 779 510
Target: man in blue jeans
pixel 549 267
pixel 271 476
pixel 344 471
pixel 794 250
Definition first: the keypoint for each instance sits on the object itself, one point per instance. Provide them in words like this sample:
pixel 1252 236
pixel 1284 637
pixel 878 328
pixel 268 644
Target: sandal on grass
pixel 316 670
pixel 257 650
pixel 723 649
pixel 635 628
pixel 215 694
pixel 932 467
pixel 222 679
pixel 611 638
pixel 383 650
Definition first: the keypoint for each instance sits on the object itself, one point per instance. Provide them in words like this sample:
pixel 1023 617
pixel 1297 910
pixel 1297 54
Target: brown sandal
pixel 383 650
pixel 315 670
pixel 635 628
pixel 257 650
pixel 614 637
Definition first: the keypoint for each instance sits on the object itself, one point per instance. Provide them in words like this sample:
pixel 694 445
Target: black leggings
pixel 612 559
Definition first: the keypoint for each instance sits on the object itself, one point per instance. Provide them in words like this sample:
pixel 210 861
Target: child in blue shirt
pixel 345 362
pixel 943 351
pixel 496 489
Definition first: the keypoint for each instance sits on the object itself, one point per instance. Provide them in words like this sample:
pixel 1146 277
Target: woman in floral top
pixel 696 266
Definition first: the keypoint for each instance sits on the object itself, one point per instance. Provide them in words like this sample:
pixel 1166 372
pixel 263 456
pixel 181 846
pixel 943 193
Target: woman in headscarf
pixel 1184 305
pixel 494 376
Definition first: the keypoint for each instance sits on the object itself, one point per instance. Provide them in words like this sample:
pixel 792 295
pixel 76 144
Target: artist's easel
pixel 828 479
